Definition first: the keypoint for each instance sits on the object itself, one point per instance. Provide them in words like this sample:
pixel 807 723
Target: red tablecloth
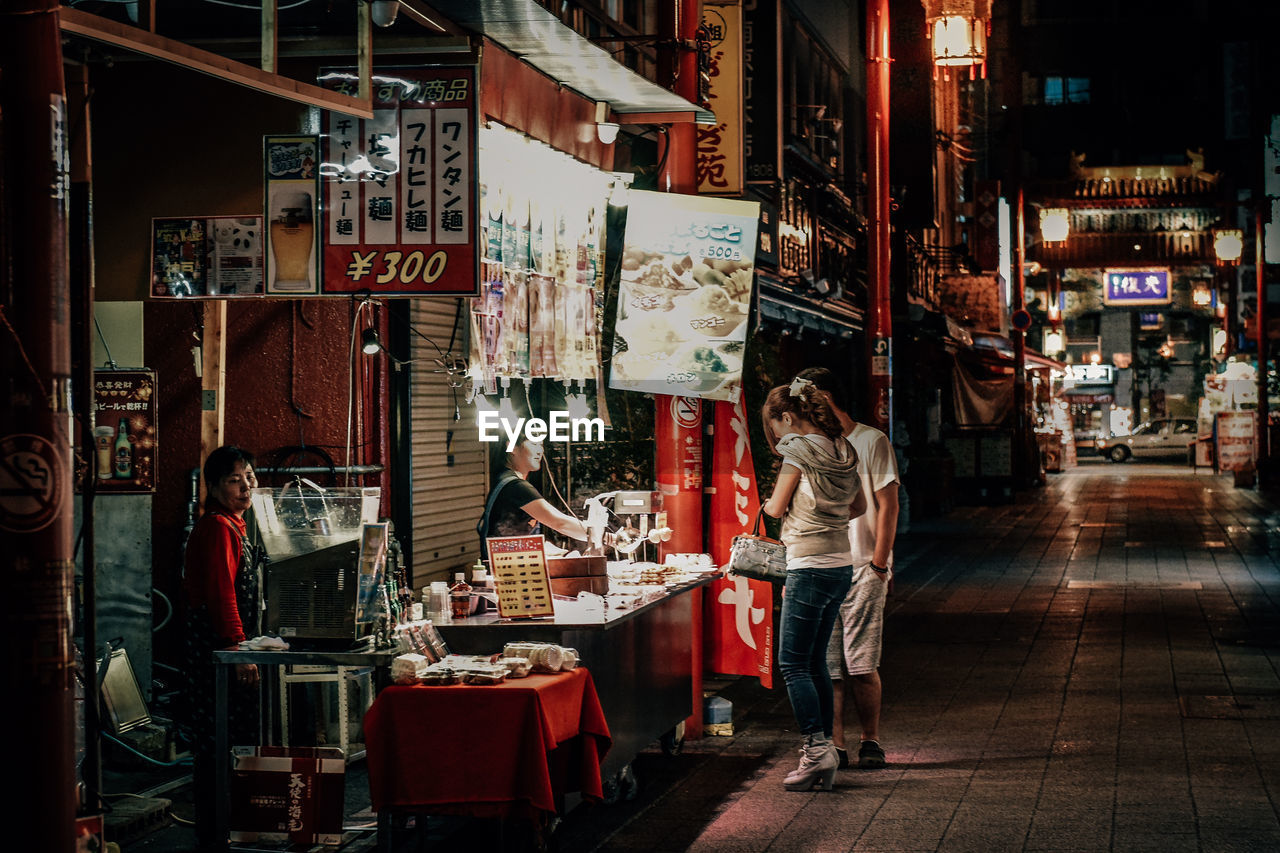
pixel 486 750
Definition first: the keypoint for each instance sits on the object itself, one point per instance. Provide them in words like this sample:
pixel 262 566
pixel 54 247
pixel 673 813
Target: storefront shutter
pixel 449 477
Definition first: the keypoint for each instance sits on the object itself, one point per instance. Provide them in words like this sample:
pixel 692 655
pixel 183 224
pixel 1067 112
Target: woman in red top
pixel 221 585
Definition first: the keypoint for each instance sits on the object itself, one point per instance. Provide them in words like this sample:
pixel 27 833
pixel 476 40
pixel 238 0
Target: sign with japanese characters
pixel 207 256
pixel 738 623
pixel 124 433
pixel 688 268
pixel 1090 374
pixel 400 189
pixel 761 90
pixel 719 162
pixel 1137 287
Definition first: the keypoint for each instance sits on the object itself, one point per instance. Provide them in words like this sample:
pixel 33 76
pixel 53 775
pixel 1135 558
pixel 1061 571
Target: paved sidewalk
pixel 1093 669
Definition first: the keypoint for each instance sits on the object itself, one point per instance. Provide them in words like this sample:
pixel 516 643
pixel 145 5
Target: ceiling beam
pixel 76 22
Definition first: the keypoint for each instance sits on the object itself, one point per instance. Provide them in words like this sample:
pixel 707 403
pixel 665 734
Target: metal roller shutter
pixel 447 498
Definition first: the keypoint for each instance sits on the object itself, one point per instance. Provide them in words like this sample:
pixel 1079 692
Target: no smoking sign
pixel 32 487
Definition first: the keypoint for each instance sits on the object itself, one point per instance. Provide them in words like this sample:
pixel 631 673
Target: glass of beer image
pixel 293 237
pixel 104 440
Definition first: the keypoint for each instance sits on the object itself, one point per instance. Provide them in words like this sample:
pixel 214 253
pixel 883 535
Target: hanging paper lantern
pixel 959 30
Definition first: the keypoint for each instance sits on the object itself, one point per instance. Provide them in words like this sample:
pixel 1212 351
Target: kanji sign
pixel 124 435
pixel 400 189
pixel 719 165
pixel 1137 287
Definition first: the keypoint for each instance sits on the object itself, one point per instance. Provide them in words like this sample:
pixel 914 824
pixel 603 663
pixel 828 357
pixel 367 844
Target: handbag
pixel 758 557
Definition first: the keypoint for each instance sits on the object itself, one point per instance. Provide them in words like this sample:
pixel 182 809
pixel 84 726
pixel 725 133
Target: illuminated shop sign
pixel 1137 287
pixel 1091 374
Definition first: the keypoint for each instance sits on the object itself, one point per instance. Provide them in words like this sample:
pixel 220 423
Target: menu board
pixel 400 189
pixel 688 267
pixel 519 565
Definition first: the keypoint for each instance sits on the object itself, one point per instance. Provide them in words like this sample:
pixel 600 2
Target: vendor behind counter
pixel 515 508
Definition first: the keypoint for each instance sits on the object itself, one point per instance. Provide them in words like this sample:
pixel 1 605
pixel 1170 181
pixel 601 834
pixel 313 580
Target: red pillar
pixel 1264 428
pixel 880 384
pixel 1021 436
pixel 35 429
pixel 678 432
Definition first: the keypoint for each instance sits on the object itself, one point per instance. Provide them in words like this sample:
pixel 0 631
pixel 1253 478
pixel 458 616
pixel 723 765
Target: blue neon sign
pixel 1137 287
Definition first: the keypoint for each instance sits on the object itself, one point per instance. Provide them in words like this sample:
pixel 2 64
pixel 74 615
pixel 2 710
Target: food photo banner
pixel 688 268
pixel 400 189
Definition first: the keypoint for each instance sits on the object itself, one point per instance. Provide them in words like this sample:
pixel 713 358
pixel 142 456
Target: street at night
pixel 560 426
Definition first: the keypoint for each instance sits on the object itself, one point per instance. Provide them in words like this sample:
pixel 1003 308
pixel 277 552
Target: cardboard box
pixel 290 794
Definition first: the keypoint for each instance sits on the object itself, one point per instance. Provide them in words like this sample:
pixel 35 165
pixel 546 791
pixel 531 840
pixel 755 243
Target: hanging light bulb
pixel 369 343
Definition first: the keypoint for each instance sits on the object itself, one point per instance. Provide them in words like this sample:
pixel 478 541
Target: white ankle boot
pixel 817 765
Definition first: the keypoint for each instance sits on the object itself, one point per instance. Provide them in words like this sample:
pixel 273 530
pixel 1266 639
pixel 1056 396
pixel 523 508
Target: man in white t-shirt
pixel 856 643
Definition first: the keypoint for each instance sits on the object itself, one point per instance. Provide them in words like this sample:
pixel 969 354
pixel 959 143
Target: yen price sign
pixel 32 487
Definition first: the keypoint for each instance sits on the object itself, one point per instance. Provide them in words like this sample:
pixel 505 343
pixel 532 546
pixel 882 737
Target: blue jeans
pixel 810 608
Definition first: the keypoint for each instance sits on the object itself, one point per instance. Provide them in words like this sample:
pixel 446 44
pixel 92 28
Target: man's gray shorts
pixel 856 640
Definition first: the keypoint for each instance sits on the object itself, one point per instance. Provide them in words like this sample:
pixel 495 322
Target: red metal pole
pixel 678 433
pixel 1021 452
pixel 35 428
pixel 1264 428
pixel 880 384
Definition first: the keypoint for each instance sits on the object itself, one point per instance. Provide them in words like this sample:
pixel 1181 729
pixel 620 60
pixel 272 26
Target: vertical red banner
pixel 738 632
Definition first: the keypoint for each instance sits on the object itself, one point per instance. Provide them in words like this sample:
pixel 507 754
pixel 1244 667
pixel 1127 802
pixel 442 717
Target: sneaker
pixel 870 755
pixel 842 758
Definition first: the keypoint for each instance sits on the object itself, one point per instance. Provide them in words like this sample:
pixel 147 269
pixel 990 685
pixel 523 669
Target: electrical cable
pixel 351 381
pixel 168 604
pixel 111 362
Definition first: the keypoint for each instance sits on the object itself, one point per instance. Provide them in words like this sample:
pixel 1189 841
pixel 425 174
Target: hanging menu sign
pixel 400 189
pixel 688 269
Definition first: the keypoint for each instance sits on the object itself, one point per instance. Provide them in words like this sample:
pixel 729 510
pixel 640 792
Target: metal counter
pixel 641 661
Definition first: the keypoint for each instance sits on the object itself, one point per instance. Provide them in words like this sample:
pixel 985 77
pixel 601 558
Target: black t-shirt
pixel 507 518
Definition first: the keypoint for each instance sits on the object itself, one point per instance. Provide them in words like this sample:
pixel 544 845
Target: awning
pixel 542 40
pixel 1036 361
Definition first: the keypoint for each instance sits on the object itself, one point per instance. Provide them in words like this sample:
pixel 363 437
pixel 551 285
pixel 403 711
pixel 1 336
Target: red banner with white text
pixel 738 623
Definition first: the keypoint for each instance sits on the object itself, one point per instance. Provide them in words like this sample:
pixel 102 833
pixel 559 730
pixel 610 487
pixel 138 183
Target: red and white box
pixel 290 794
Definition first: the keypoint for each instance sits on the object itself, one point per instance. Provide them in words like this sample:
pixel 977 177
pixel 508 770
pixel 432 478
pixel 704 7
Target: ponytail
pixel 803 400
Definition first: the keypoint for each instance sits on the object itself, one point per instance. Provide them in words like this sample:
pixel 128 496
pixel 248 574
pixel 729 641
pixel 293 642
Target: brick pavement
pixel 1091 669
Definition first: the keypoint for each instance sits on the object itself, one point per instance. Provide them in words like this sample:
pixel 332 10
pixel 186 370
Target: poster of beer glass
pixel 688 267
pixel 292 209
pixel 124 433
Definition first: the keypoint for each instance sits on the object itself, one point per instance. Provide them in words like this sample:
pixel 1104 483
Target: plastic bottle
pixel 460 597
pixel 437 598
pixel 480 577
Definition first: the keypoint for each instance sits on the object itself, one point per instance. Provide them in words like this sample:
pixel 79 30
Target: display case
pixel 301 517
